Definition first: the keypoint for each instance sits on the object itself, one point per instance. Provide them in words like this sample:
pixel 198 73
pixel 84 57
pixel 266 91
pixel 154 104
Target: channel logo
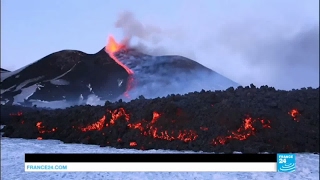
pixel 286 162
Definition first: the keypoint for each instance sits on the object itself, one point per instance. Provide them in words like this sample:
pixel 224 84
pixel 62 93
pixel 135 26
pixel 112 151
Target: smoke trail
pixel 266 42
pixel 131 28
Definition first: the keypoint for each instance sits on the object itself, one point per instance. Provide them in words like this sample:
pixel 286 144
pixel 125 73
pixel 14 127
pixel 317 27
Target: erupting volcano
pixel 113 47
pixel 245 119
pixel 71 77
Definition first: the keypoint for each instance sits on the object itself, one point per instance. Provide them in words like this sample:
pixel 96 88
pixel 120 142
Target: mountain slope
pixel 4 70
pixel 72 76
pixel 65 75
pixel 170 74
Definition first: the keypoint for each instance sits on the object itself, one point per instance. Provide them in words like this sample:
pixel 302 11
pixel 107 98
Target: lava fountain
pixel 112 48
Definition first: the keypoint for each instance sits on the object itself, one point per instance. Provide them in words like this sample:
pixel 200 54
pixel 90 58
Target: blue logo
pixel 286 162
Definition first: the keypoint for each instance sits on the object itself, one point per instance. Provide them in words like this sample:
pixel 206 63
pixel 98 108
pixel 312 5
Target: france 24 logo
pixel 286 162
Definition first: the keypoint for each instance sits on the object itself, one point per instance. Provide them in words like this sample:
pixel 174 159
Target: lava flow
pixel 242 133
pixel 43 130
pixel 132 144
pixel 150 128
pixel 294 113
pixel 95 126
pixel 114 47
pixel 145 128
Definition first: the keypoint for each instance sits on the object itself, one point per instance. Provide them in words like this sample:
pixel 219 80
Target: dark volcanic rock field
pixel 246 119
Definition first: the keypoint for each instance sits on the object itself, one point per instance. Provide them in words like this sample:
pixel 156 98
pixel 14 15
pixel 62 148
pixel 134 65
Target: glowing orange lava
pixel 43 130
pixel 113 47
pixel 132 144
pixel 242 133
pixel 40 127
pixel 149 128
pixel 118 113
pixel 152 129
pixel 95 126
pixel 146 128
pixel 294 113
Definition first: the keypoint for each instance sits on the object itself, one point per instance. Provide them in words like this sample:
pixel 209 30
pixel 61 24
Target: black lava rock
pixel 247 119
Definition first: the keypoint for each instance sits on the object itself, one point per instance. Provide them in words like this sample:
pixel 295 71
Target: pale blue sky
pixel 248 41
pixel 34 28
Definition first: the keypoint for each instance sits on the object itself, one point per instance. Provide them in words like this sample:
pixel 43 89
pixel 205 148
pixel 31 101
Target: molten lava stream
pixel 149 129
pixel 43 130
pixel 243 132
pixel 145 128
pixel 114 47
pixel 294 113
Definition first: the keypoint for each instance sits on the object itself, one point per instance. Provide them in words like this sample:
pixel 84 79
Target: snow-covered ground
pixel 12 164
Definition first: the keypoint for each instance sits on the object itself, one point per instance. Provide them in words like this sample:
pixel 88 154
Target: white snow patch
pixel 51 104
pixel 94 100
pixel 34 86
pixel 80 99
pixel 39 86
pixel 4 102
pixel 120 81
pixel 26 93
pixel 59 82
pixel 13 150
pixel 27 82
pixel 90 88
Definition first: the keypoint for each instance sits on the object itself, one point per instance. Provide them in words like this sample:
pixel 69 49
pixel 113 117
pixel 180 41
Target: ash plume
pixel 149 37
pixel 266 43
pixel 133 28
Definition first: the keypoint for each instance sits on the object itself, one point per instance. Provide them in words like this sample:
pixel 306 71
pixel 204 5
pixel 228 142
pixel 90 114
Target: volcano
pixel 116 71
pixel 244 119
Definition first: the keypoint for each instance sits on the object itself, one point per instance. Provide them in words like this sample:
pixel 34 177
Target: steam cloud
pixel 266 43
pixel 145 33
